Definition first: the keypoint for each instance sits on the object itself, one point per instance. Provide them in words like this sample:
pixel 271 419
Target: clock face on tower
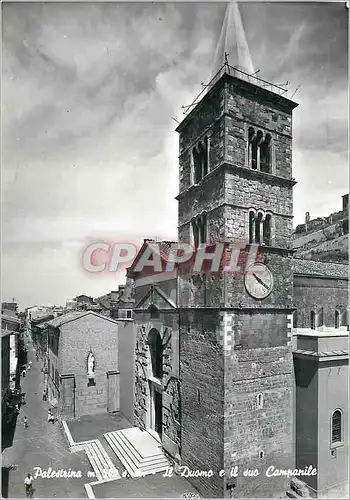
pixel 258 281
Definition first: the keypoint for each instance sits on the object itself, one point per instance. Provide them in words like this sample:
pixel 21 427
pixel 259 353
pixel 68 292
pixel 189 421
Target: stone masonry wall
pixel 243 108
pixel 245 192
pixel 78 337
pixel 258 437
pixel 201 370
pixel 329 294
pixel 167 326
pixel 282 293
pixel 207 196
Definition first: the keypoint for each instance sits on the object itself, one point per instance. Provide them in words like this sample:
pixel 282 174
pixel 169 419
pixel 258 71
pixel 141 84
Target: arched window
pixel 251 227
pixel 336 427
pixel 267 230
pixel 197 165
pixel 251 134
pixel 312 320
pixel 265 154
pixel 205 155
pixel 200 155
pixel 202 225
pixel 156 350
pixel 257 228
pixel 195 233
pixel 336 319
pixel 259 400
pixel 344 318
pixel 254 150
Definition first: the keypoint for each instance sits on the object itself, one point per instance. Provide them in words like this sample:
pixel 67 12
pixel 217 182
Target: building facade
pixel 246 369
pixel 82 364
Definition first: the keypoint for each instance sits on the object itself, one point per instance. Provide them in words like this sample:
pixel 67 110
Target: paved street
pixel 40 445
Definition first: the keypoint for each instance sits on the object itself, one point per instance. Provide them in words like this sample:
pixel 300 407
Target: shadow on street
pixel 8 432
pixel 5 473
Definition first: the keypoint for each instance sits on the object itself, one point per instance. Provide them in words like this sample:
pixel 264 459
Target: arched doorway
pixel 155 380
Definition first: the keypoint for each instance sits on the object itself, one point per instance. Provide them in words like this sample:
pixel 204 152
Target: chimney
pixel 307 217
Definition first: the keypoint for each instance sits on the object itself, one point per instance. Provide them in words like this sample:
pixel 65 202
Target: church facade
pixel 240 370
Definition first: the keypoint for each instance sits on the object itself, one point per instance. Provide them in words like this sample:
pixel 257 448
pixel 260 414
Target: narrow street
pixel 42 444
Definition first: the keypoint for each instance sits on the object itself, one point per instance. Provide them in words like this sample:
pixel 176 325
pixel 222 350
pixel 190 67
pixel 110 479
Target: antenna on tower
pixel 295 91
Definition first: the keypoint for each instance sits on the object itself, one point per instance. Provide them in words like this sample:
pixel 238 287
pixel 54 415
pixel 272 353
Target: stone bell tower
pixel 236 367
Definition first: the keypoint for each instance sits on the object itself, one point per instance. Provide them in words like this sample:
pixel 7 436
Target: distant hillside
pixel 323 249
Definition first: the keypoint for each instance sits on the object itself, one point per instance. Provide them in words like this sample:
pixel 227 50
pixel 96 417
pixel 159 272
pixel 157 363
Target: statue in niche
pixel 91 365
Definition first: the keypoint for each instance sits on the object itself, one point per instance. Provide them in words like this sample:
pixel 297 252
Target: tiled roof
pixel 5 332
pixel 41 319
pixel 60 320
pixel 10 318
pixel 72 316
pixel 322 269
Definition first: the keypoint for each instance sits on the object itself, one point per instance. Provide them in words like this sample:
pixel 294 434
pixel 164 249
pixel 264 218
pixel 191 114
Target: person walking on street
pixel 25 422
pixel 44 395
pixel 23 372
pixel 28 482
pixel 50 417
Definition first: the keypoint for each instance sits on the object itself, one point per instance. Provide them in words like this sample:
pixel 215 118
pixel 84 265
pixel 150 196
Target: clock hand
pixel 260 281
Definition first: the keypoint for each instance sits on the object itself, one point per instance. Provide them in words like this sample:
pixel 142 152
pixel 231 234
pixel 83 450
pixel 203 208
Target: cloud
pixel 90 91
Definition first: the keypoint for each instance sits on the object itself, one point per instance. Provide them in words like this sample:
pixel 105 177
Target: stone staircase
pixel 100 461
pixel 139 451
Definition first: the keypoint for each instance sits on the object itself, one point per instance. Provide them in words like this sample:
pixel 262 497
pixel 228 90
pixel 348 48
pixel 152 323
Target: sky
pixel 91 95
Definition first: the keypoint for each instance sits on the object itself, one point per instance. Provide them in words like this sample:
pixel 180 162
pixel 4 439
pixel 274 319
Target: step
pixel 134 434
pixel 107 459
pixel 138 459
pixel 101 462
pixel 157 459
pixel 118 450
pixel 93 463
pixel 121 447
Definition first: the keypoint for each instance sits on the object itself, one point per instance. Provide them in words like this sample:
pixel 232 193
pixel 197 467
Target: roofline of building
pixel 255 89
pixel 83 313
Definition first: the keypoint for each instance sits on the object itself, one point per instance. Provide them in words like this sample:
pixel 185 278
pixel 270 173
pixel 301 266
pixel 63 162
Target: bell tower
pixel 236 365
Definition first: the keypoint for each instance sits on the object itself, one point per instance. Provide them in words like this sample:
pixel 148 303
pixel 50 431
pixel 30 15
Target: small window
pixel 91 382
pixel 251 227
pixel 261 454
pixel 267 230
pixel 265 154
pixel 202 228
pixel 336 319
pixel 344 318
pixel 129 314
pixel 336 427
pixel 295 319
pixel 313 320
pixel 195 233
pixel 259 400
pixel 258 221
pixel 200 154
